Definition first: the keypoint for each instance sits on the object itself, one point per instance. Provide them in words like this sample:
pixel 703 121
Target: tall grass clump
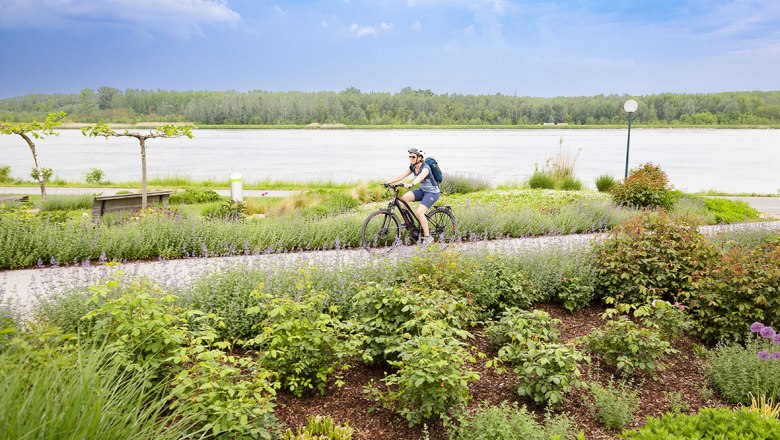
pixel 459 183
pixel 541 180
pixel 605 182
pixel 67 203
pixel 80 393
pixel 365 193
pixel 5 174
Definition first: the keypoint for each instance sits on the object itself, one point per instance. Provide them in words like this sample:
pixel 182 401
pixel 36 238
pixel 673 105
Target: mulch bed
pixel 349 404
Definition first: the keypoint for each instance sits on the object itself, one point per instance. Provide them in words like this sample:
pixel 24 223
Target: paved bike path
pixel 25 190
pixel 20 287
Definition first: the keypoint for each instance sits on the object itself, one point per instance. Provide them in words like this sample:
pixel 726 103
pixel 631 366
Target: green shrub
pixel 742 287
pixel 56 392
pixel 46 172
pixel 546 371
pixel 498 283
pixel 320 428
pixel 94 176
pixel 730 211
pixel 139 325
pixel 646 186
pixel 463 183
pixel 430 379
pixel 629 347
pixel 517 326
pixel 67 203
pixel 5 174
pixel 676 402
pixel 227 395
pixel 605 182
pixel 614 405
pixel 650 256
pixel 387 316
pixel 541 180
pixel 709 423
pixel 191 196
pixel 510 422
pixel 570 183
pixel 737 371
pixel 302 340
pixel 574 293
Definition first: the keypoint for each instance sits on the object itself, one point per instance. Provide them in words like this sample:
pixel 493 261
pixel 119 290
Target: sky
pixel 523 48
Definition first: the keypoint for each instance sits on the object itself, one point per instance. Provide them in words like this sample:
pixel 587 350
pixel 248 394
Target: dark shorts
pixel 428 199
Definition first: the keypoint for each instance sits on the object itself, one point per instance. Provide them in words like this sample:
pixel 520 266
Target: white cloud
pixel 179 17
pixel 365 31
pixel 416 26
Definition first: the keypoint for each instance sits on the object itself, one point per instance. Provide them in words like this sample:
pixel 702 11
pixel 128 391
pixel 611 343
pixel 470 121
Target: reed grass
pixel 67 202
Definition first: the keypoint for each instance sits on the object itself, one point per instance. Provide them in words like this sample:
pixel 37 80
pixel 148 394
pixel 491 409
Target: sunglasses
pixel 412 157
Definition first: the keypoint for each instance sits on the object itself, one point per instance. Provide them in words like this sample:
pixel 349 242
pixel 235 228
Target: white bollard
pixel 236 188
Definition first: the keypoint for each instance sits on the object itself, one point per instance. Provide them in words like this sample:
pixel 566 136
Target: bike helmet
pixel 417 151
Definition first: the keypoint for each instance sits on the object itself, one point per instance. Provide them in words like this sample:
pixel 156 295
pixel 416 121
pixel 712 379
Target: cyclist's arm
pixel 420 177
pixel 401 176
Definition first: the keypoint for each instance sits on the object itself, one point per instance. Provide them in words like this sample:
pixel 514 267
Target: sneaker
pixel 427 240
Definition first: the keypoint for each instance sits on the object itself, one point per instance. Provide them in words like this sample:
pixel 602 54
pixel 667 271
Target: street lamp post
pixel 630 106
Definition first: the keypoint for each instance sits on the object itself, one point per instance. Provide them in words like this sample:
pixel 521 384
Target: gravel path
pixel 22 190
pixel 19 287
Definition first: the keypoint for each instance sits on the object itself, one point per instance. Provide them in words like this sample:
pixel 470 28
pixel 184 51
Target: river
pixel 694 159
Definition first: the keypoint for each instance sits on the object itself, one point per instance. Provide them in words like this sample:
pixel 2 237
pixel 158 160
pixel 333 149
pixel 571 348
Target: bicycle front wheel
pixel 441 224
pixel 381 232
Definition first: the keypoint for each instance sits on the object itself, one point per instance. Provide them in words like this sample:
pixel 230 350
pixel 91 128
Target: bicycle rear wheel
pixel 381 232
pixel 441 224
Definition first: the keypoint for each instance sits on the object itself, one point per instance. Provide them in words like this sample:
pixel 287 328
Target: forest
pixel 407 107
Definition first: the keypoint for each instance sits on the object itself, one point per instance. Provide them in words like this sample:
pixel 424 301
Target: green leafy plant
pixel 546 371
pixel 517 326
pixel 650 256
pixel 320 428
pixel 303 340
pixel 575 293
pixel 227 395
pixel 387 316
pixel 720 423
pixel 613 405
pixel 498 283
pixel 676 402
pixel 510 422
pixel 193 196
pixel 430 379
pixel 94 176
pixel 605 182
pixel 629 347
pixel 646 186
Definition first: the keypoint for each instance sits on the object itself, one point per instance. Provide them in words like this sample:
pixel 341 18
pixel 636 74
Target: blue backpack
pixel 438 176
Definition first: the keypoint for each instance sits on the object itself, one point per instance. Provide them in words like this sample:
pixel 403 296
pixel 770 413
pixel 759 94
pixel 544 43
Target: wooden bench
pixel 6 199
pixel 126 202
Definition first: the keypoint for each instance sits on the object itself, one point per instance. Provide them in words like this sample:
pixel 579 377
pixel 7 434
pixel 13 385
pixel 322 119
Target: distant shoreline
pixel 151 125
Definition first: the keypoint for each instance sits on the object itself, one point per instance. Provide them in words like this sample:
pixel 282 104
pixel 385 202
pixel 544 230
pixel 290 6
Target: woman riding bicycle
pixel 428 192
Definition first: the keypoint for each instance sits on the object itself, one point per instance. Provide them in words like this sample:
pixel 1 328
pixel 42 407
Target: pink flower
pixel 756 327
pixel 763 355
pixel 767 332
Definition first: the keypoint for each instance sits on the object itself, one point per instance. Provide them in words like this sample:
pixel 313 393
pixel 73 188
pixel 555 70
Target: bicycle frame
pixel 411 222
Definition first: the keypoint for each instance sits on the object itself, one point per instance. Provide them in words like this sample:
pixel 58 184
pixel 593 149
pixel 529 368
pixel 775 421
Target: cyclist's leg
pixel 412 196
pixel 428 200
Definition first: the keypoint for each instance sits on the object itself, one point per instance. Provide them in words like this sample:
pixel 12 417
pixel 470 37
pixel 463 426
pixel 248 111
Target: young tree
pixel 165 131
pixel 37 131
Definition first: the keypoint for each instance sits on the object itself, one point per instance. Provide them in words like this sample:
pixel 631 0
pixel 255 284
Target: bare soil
pixel 349 404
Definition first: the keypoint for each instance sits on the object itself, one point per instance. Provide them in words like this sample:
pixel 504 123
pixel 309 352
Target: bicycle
pixel 381 231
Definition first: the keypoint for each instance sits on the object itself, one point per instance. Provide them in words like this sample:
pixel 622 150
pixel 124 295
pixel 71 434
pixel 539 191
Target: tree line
pixel 407 107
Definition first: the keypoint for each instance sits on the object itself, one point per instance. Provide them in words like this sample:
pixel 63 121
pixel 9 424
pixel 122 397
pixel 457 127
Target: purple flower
pixel 775 355
pixel 767 332
pixel 763 355
pixel 756 327
pixel 776 339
